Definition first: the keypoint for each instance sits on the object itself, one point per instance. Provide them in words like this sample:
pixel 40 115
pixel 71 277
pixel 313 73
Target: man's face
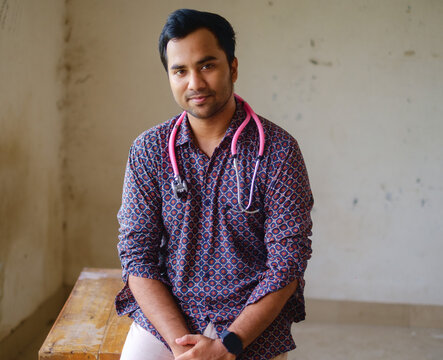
pixel 201 79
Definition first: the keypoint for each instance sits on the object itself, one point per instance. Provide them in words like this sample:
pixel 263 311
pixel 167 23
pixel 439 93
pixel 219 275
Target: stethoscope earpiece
pixel 180 186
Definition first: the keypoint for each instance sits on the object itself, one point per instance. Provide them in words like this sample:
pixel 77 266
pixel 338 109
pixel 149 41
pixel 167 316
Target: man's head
pixel 197 50
pixel 182 22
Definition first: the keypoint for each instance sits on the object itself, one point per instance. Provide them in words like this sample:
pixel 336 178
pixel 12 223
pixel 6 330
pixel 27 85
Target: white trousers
pixel 142 345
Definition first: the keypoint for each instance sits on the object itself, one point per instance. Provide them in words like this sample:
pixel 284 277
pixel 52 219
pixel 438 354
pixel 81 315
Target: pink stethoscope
pixel 180 186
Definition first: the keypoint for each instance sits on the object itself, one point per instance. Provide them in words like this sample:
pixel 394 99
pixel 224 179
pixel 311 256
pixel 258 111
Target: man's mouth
pixel 198 99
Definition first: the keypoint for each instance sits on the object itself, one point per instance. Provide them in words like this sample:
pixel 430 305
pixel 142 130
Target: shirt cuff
pixel 270 284
pixel 125 301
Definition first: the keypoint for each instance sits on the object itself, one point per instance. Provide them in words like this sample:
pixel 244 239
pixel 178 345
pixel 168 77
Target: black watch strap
pixel 232 342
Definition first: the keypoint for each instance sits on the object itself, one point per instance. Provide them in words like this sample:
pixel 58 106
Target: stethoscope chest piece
pixel 179 187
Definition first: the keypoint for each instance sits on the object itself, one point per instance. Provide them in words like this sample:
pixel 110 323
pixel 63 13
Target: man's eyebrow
pixel 202 61
pixel 205 59
pixel 177 67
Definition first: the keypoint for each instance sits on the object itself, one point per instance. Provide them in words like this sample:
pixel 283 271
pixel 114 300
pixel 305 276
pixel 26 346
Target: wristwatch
pixel 232 342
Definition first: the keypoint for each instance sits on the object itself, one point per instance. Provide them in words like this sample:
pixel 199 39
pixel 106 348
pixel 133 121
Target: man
pixel 205 280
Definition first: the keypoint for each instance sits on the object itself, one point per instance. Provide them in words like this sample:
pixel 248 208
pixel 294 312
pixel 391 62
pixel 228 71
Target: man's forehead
pixel 196 45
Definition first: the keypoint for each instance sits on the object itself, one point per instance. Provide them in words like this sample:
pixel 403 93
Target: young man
pixel 231 282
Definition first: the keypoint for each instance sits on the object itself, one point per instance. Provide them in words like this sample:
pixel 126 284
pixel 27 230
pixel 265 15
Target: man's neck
pixel 208 133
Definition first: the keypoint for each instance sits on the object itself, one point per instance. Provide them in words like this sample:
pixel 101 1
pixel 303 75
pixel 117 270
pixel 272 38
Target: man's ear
pixel 234 70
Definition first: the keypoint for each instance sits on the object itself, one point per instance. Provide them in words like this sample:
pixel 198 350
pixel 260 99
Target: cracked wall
pixel 358 83
pixel 31 208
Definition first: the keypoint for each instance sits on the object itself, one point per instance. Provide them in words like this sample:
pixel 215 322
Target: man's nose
pixel 196 81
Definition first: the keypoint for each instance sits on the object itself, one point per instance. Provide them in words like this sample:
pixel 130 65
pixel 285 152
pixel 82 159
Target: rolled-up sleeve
pixel 140 223
pixel 288 203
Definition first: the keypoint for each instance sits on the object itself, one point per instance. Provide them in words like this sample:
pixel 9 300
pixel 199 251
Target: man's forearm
pixel 158 305
pixel 255 318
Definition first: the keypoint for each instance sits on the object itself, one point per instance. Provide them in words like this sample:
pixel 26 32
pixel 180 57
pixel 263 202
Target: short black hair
pixel 182 22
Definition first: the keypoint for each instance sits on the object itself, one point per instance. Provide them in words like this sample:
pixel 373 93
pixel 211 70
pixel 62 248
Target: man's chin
pixel 198 115
pixel 201 113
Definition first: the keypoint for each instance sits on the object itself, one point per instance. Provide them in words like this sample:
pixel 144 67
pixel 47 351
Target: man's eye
pixel 207 66
pixel 179 72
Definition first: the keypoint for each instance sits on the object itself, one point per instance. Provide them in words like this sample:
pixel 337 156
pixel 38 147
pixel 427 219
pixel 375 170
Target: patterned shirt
pixel 216 259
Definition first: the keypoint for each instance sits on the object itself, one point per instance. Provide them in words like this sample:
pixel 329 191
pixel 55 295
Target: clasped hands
pixel 200 347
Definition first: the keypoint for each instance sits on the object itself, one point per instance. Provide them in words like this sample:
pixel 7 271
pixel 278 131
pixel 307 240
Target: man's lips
pixel 198 99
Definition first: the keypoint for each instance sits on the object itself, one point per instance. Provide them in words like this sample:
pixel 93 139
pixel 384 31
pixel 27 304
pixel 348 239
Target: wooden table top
pixel 88 326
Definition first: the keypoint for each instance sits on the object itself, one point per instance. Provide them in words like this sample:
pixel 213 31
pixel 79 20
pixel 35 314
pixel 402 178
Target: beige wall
pixel 358 83
pixel 31 42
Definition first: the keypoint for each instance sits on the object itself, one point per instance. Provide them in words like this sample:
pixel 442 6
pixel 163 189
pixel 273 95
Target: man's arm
pixel 159 307
pixel 140 240
pixel 253 320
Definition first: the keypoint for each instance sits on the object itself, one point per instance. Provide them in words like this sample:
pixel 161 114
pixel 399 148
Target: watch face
pixel 232 342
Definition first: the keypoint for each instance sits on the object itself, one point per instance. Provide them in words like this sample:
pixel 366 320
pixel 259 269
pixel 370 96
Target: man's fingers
pixel 188 339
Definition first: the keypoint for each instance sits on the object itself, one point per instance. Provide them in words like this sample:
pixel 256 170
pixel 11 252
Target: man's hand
pixel 203 348
pixel 178 350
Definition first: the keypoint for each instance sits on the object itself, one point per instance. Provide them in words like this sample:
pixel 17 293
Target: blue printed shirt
pixel 217 260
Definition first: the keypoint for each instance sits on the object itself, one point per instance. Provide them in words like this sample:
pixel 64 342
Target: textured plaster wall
pixel 358 83
pixel 31 42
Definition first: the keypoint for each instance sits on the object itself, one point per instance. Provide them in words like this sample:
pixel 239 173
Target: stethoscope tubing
pixel 180 187
pixel 249 113
pixel 171 145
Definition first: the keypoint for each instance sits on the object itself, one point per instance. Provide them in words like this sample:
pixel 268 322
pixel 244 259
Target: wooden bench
pixel 88 326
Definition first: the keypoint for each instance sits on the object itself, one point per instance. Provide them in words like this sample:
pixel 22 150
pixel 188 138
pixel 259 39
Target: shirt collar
pixel 237 119
pixel 184 134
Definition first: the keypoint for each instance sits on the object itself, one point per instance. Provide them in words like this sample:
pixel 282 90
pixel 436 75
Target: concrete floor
pixel 342 342
pixel 364 342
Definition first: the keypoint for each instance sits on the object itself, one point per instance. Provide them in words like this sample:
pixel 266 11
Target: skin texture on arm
pixel 159 307
pixel 253 320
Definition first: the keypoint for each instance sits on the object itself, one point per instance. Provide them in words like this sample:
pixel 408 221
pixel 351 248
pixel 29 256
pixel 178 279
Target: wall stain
pixel 67 29
pixel 83 79
pixel 388 196
pixel 4 8
pixel 409 53
pixel 10 15
pixel 14 174
pixel 2 282
pixel 319 62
